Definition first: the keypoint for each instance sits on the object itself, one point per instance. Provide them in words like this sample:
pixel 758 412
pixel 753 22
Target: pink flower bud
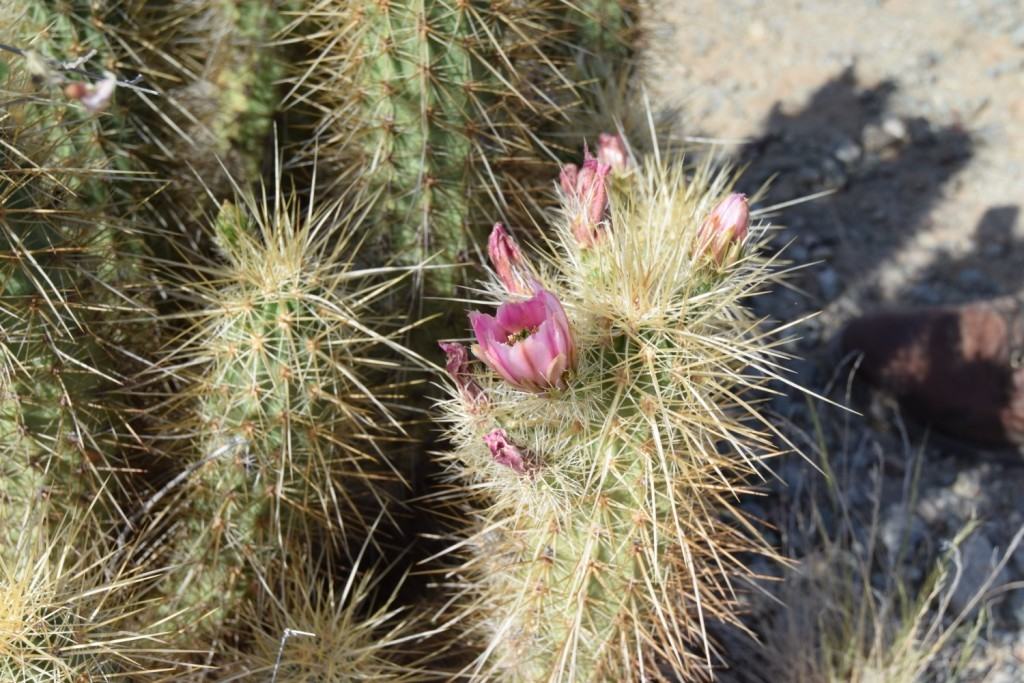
pixel 528 343
pixel 726 225
pixel 457 365
pixel 586 187
pixel 507 453
pixel 508 261
pixel 611 150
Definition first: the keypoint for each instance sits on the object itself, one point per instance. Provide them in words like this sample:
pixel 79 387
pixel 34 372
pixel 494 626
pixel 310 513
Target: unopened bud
pixel 725 226
pixel 508 261
pixel 586 186
pixel 457 365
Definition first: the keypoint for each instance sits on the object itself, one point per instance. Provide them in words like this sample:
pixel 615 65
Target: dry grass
pixel 848 612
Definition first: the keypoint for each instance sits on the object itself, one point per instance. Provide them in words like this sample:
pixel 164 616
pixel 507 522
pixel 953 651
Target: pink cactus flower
pixel 611 150
pixel 508 261
pixel 94 97
pixel 726 225
pixel 528 343
pixel 507 453
pixel 586 185
pixel 457 365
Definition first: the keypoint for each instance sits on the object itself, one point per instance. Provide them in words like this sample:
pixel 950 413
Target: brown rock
pixel 961 369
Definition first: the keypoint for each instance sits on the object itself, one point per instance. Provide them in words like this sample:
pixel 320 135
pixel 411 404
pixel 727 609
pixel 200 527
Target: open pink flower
pixel 507 453
pixel 726 225
pixel 528 343
pixel 457 365
pixel 586 185
pixel 508 261
pixel 611 150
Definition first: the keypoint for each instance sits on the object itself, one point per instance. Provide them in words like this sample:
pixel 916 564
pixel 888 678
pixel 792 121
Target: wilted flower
pixel 611 150
pixel 586 185
pixel 508 261
pixel 528 343
pixel 94 97
pixel 457 365
pixel 725 226
pixel 507 453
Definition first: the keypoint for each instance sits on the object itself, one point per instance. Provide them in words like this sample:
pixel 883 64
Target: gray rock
pixel 1017 559
pixel 978 558
pixel 833 174
pixel 797 253
pixel 901 530
pixel 925 293
pixel 975 280
pixel 927 60
pixel 1013 608
pixel 968 484
pixel 1003 675
pixel 874 139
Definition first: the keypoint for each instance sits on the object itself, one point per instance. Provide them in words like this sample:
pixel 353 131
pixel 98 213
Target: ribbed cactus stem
pixel 222 541
pixel 578 578
pixel 420 89
pixel 73 286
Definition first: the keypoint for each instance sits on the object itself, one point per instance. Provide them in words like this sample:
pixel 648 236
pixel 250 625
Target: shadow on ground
pixel 887 175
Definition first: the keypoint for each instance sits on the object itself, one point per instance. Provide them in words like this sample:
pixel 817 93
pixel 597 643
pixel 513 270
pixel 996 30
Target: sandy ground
pixel 912 113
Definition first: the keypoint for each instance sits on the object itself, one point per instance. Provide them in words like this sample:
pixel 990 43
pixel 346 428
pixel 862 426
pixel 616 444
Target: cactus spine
pixel 63 614
pixel 606 529
pixel 339 628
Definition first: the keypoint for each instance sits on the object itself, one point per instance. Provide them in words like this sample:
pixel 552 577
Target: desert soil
pixel 912 114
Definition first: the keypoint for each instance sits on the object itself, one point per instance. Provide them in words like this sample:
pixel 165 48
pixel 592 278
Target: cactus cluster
pixel 212 92
pixel 283 390
pixel 220 221
pixel 606 438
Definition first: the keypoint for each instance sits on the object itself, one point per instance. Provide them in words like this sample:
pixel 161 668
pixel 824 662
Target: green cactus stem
pixel 290 422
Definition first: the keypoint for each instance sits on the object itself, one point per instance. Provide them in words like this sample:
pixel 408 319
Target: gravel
pixel 912 119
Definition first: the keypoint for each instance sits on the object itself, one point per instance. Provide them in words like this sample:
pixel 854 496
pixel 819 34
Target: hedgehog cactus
pixel 68 610
pixel 72 299
pixel 283 371
pixel 216 81
pixel 609 430
pixel 320 624
pixel 435 106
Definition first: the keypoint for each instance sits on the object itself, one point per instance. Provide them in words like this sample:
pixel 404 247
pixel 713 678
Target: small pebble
pixel 1018 36
pixel 895 128
pixel 828 282
pixel 848 152
pixel 978 558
